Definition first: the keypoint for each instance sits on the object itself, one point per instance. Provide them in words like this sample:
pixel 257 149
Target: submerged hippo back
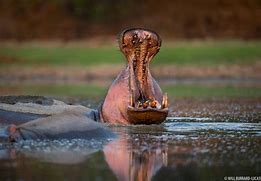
pixel 66 125
pixel 21 109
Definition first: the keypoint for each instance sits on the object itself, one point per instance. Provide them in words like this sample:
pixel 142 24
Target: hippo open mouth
pixel 147 104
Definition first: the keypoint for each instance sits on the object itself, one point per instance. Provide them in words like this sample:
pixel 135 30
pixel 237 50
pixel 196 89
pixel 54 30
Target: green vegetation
pixel 179 53
pixel 202 91
pixel 56 56
pixel 210 53
pixel 98 92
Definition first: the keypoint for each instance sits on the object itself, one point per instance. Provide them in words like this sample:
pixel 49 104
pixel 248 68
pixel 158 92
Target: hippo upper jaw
pixel 147 104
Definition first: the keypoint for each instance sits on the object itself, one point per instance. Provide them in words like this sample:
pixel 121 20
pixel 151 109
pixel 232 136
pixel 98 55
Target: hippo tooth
pixel 165 158
pixel 158 106
pixel 139 105
pixel 164 101
pixel 153 103
pixel 132 102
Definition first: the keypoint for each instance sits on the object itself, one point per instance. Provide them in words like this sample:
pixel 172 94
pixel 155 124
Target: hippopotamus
pixel 133 98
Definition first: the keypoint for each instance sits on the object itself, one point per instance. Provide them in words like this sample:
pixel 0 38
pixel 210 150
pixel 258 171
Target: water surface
pixel 180 149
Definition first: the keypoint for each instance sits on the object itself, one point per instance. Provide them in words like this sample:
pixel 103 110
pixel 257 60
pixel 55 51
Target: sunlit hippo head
pixel 135 97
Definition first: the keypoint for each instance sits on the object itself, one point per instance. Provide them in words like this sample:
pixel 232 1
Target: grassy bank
pixel 94 91
pixel 177 53
pixel 79 61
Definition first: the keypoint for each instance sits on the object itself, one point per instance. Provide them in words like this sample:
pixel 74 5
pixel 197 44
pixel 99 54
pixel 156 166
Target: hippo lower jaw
pixel 146 106
pixel 147 116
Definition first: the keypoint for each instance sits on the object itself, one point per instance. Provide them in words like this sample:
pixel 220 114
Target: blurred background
pixel 68 48
pixel 77 19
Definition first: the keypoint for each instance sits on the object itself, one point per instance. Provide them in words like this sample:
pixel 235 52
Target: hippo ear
pixel 158 37
pixel 160 41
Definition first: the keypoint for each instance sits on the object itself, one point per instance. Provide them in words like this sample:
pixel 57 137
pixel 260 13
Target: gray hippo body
pixel 35 117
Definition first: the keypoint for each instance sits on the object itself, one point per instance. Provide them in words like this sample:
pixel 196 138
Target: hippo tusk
pixel 164 101
pixel 132 98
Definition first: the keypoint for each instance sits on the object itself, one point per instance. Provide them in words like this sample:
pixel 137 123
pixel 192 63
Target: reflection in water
pixel 172 151
pixel 61 151
pixel 185 150
pixel 129 163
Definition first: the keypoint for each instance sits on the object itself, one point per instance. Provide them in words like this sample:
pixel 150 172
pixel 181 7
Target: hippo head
pixel 135 97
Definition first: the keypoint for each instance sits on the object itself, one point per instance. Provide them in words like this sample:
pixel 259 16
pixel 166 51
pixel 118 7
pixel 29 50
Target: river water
pixel 183 148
